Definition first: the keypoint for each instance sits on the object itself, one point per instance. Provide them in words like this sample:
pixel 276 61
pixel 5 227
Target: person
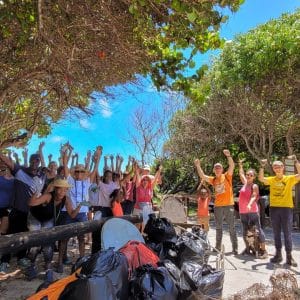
pixel 144 191
pixel 78 194
pixel 44 213
pixel 248 207
pixel 6 191
pixel 27 181
pixel 281 207
pixel 203 207
pixel 116 199
pixel 105 187
pixel 128 183
pixel 223 208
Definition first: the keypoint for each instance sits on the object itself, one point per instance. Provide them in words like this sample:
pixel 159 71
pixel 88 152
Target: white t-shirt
pixel 94 194
pixel 79 192
pixel 105 189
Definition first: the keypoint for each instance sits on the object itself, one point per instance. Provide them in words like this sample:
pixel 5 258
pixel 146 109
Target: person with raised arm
pixel 281 207
pixel 248 207
pixel 223 209
pixel 78 194
pixel 27 181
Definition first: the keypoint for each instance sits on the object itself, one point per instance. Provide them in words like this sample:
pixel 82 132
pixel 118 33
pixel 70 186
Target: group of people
pixel 33 196
pixel 281 204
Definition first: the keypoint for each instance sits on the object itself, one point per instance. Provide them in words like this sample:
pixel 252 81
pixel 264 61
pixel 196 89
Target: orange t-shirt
pixel 223 189
pixel 117 209
pixel 203 207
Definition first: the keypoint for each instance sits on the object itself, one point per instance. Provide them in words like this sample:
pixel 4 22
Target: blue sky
pixel 109 125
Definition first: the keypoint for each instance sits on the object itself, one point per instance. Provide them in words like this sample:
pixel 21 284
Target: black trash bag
pixel 160 230
pixel 184 289
pixel 191 248
pixel 165 250
pixel 103 276
pixel 205 281
pixel 152 283
pixel 79 262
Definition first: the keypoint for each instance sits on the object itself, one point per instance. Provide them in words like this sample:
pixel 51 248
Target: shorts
pixel 81 217
pixel 204 222
pixel 3 212
pixel 34 224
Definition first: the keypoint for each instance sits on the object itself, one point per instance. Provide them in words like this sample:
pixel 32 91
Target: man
pixel 27 182
pixel 222 183
pixel 281 207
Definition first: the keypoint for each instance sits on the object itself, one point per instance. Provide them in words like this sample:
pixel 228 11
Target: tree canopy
pixel 53 54
pixel 248 100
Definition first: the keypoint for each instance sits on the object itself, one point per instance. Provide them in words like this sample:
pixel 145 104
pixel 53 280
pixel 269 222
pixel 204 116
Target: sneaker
pixel 4 267
pixel 24 262
pixel 60 269
pixel 31 272
pixel 277 258
pixel 290 261
pixel 235 252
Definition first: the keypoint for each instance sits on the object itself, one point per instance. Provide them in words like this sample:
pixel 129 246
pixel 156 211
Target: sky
pixel 111 120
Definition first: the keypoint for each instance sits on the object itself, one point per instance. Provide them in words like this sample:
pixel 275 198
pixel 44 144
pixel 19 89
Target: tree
pixel 53 54
pixel 249 97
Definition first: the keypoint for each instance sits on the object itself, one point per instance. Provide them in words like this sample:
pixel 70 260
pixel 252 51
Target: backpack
pixel 138 254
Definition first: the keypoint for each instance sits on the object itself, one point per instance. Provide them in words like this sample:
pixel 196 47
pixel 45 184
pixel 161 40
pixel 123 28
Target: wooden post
pixel 15 242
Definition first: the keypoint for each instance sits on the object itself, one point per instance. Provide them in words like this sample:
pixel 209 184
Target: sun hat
pixel 80 167
pixel 61 183
pixel 146 167
pixel 218 165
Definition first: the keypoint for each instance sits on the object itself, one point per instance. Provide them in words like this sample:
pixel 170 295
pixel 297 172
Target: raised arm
pixel 7 161
pixel 241 172
pixel 87 160
pixel 230 162
pixel 261 174
pixel 200 171
pixel 16 157
pixel 96 159
pixel 25 157
pixel 157 176
pixel 297 166
pixel 41 146
pixel 65 157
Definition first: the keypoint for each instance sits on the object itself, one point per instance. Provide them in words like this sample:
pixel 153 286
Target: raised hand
pixel 197 162
pixel 263 162
pixel 226 152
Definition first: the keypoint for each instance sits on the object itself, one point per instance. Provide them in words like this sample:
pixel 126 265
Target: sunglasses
pixel 2 170
pixel 79 171
pixel 250 175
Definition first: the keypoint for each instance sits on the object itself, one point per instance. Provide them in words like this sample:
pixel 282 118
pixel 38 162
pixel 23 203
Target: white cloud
pixel 105 108
pixel 86 124
pixel 57 139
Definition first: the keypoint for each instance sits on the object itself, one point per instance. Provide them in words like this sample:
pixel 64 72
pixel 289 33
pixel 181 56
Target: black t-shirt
pixel 46 212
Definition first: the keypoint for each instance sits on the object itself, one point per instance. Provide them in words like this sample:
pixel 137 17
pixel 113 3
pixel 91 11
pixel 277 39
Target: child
pixel 117 197
pixel 203 208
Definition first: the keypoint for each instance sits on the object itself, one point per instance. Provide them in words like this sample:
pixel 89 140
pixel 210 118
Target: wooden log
pixel 15 242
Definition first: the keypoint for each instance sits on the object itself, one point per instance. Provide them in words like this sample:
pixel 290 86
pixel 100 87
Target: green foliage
pixel 248 101
pixel 56 53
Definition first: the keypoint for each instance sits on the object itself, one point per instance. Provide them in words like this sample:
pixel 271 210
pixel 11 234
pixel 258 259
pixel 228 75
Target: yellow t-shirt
pixel 281 190
pixel 223 189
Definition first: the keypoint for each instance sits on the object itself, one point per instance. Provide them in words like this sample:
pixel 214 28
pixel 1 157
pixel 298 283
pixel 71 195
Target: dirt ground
pixel 249 270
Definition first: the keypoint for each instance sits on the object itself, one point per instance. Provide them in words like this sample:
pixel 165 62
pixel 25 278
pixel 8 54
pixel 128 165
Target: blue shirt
pixel 6 191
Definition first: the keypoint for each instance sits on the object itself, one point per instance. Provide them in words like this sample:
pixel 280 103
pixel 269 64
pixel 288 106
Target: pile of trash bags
pixel 167 267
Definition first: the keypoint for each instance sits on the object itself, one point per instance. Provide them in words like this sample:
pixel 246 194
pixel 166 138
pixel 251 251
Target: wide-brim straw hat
pixel 80 167
pixel 61 183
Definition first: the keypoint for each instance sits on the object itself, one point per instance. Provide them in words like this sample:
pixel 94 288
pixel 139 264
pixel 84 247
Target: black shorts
pixel 3 212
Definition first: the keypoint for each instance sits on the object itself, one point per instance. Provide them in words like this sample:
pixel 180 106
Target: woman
pixel 248 208
pixel 44 213
pixel 144 192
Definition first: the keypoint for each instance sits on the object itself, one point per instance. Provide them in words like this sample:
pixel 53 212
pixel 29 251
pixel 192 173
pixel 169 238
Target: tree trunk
pixel 15 242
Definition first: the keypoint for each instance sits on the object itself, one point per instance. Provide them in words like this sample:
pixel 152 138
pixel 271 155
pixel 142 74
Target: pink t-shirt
pixel 129 190
pixel 244 198
pixel 143 195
